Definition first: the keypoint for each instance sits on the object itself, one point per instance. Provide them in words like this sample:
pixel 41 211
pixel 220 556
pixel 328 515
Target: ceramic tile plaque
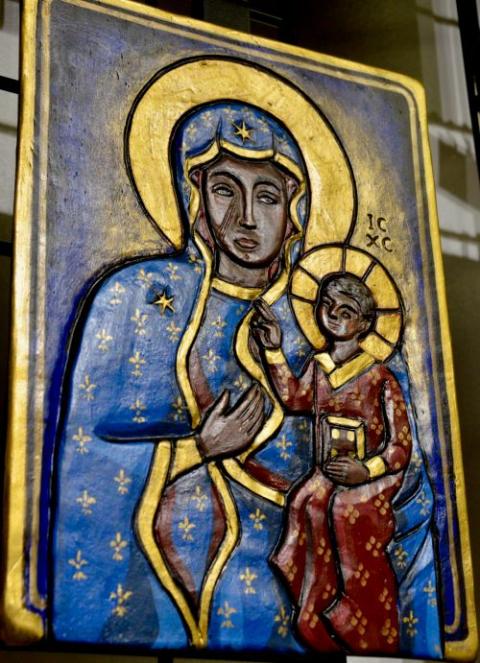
pixel 232 421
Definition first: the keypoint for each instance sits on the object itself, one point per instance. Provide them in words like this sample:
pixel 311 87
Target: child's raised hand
pixel 346 471
pixel 265 327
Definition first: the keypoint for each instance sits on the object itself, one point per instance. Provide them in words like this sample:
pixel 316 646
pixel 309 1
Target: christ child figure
pixel 334 549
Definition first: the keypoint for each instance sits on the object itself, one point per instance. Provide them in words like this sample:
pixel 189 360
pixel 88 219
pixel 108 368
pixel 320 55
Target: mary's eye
pixel 346 315
pixel 222 190
pixel 267 198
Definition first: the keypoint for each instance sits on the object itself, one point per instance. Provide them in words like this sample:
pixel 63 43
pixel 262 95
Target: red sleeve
pixel 399 442
pixel 296 394
pixel 396 455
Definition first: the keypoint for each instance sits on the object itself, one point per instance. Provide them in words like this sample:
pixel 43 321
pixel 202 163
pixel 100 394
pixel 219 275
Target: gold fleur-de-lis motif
pixel 192 131
pixel 78 562
pixel 179 409
pixel 424 502
pixel 145 278
pixel 186 525
pixel 173 331
pixel 117 290
pixel 282 618
pixel 229 113
pixel 430 590
pixel 123 480
pixel 118 544
pixel 416 459
pixel 301 348
pixel 138 361
pixel 257 518
pixel 86 501
pixel 88 388
pixel 283 444
pixel 140 320
pixel 401 557
pixel 226 611
pixel 241 382
pixel 263 126
pixel 82 439
pixel 199 498
pixel 195 261
pixel 208 119
pixel 173 272
pixel 410 621
pixel 104 340
pixel 138 407
pixel 218 324
pixel 120 596
pixel 283 310
pixel 247 577
pixel 211 358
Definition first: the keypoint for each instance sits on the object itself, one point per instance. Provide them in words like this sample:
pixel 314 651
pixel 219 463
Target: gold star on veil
pixel 243 131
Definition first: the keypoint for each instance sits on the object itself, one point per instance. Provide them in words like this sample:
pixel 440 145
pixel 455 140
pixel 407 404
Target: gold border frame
pixel 19 623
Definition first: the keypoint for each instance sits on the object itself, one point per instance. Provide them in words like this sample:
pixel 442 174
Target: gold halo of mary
pixel 175 92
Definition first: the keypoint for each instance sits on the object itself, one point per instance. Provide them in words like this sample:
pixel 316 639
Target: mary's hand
pixel 228 431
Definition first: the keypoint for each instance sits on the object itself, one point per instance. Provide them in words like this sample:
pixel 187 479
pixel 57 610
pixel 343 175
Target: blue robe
pixel 125 418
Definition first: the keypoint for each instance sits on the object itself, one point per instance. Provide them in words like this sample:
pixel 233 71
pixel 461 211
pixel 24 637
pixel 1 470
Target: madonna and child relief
pixel 245 451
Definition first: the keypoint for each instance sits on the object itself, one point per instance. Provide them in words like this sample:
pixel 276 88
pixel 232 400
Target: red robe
pixel 333 554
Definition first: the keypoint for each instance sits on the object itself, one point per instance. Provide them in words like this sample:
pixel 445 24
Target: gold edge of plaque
pixel 467 648
pixel 460 649
pixel 417 110
pixel 19 624
pixel 39 370
pixel 30 624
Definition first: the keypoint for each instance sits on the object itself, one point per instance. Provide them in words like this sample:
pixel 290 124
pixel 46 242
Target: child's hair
pixel 351 285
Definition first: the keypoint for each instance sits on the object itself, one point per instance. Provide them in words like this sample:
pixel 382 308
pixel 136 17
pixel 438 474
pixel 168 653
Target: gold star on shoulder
pixel 163 302
pixel 243 131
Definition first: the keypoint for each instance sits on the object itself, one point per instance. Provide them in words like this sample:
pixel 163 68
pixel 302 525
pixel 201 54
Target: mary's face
pixel 247 209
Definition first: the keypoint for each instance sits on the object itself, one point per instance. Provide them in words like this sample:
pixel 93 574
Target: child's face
pixel 340 315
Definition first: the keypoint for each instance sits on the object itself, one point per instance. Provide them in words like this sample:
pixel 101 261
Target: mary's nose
pixel 247 213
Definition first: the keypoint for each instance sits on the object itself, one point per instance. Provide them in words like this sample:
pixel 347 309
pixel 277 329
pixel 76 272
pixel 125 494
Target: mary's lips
pixel 246 243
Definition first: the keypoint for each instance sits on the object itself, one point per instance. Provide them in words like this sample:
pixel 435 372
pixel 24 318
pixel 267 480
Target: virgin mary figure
pixel 174 455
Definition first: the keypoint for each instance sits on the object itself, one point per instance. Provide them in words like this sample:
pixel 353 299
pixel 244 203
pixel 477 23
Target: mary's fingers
pixel 253 420
pixel 222 402
pixel 253 407
pixel 254 424
pixel 249 396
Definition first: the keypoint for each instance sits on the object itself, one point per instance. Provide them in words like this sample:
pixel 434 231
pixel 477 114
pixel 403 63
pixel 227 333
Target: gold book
pixel 342 436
